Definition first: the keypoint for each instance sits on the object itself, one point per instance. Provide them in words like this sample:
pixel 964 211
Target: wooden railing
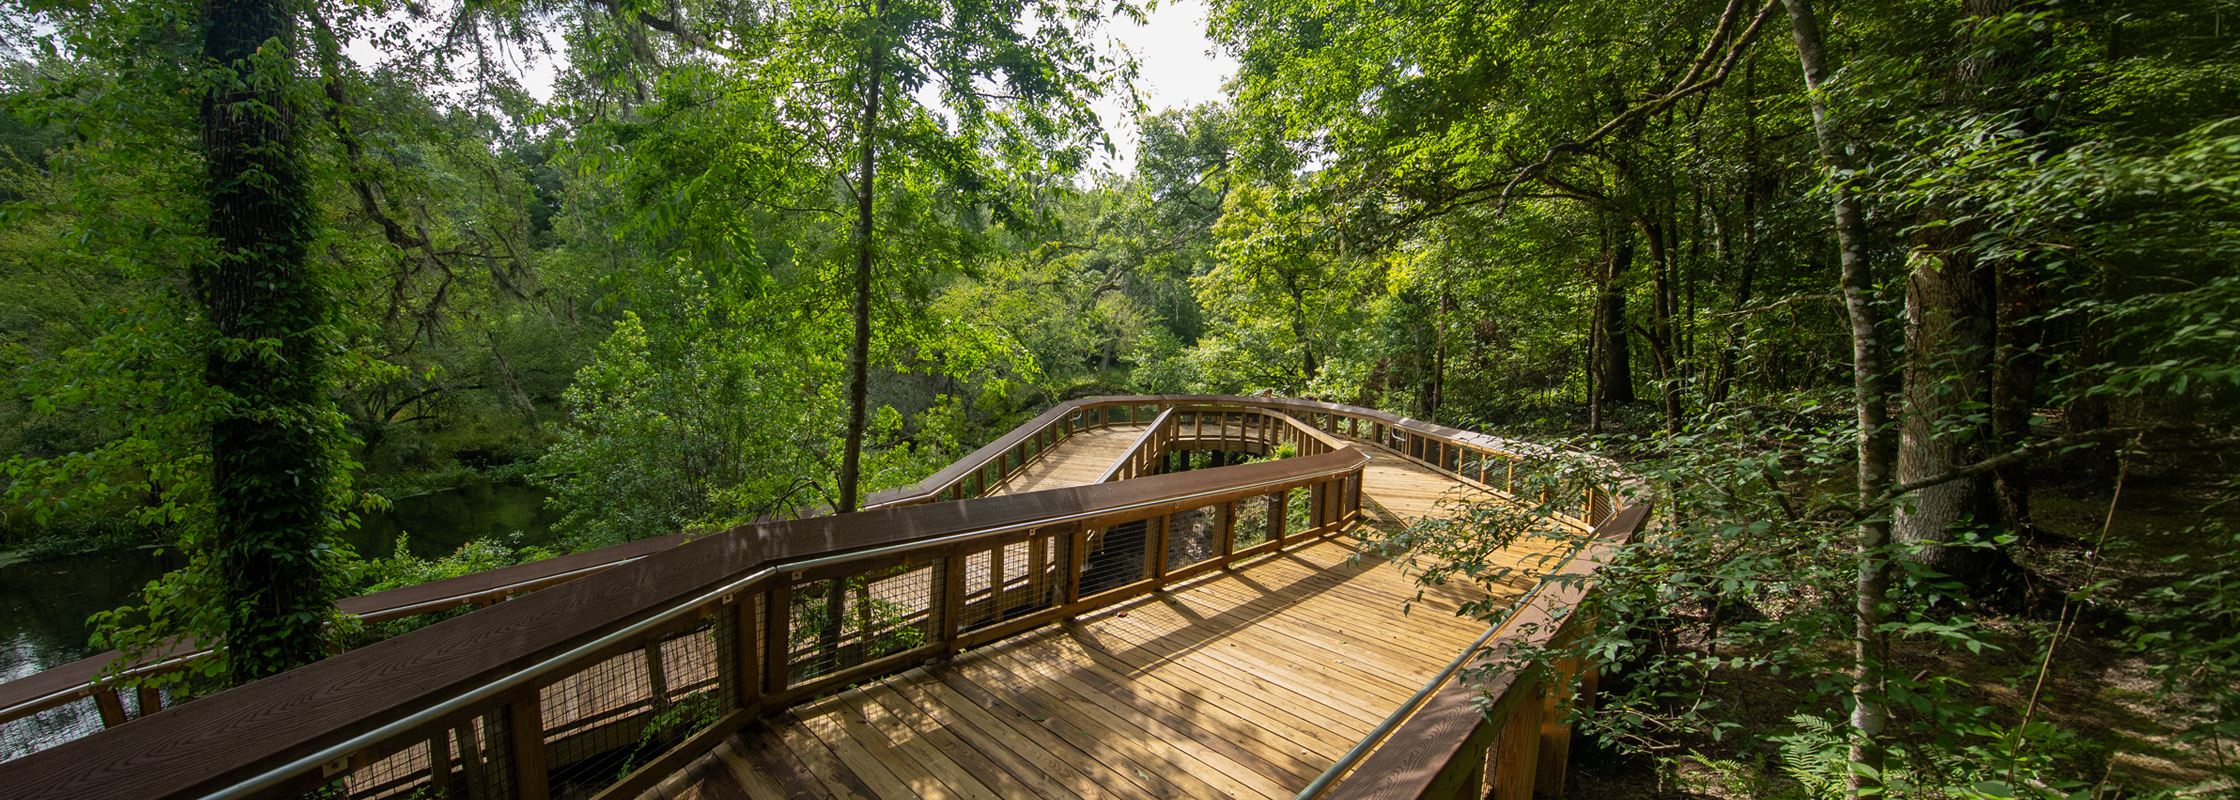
pixel 626 673
pixel 95 680
pixel 613 671
pixel 82 697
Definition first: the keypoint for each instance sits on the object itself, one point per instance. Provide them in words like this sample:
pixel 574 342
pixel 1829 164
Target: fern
pixel 1815 756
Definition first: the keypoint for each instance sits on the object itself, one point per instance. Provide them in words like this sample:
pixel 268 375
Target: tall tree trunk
pixel 1758 186
pixel 1870 398
pixel 270 444
pixel 1439 358
pixel 859 352
pixel 1594 365
pixel 2014 385
pixel 1953 336
pixel 1617 367
pixel 1661 342
pixel 1949 330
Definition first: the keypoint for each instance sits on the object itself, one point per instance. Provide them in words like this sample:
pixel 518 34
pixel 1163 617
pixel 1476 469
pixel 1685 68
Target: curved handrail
pixel 276 777
pixel 630 596
pixel 320 719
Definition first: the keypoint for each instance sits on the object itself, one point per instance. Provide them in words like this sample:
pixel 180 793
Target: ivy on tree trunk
pixel 271 434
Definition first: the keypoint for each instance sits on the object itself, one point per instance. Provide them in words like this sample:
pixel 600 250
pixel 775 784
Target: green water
pixel 44 604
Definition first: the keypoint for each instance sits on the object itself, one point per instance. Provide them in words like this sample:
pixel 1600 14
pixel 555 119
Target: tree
pixel 1012 82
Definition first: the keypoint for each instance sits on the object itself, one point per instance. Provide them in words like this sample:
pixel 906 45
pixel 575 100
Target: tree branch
pixel 2011 458
pixel 1694 82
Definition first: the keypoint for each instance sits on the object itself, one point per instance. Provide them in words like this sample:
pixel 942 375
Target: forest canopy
pixel 1922 315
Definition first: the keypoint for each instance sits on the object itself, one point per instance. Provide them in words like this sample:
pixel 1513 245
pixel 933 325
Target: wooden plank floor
pixel 1246 682
pixel 1077 461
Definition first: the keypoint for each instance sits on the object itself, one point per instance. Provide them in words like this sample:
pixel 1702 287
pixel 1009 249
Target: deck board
pixel 1245 682
pixel 1078 461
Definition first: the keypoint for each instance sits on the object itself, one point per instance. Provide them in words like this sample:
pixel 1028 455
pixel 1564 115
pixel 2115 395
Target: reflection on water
pixel 44 604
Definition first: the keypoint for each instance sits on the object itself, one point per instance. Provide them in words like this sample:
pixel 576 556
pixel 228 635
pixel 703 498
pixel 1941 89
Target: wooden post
pixel 1225 531
pixel 1038 569
pixel 151 699
pixel 439 764
pixel 525 734
pixel 1517 751
pixel 1555 731
pixel 1325 512
pixel 1077 542
pixel 472 756
pixel 1157 542
pixel 657 677
pixel 951 601
pixel 110 705
pixel 996 581
pixel 738 656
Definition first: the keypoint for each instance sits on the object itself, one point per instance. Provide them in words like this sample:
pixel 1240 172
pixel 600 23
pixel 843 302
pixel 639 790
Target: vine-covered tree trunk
pixel 269 441
pixel 1870 398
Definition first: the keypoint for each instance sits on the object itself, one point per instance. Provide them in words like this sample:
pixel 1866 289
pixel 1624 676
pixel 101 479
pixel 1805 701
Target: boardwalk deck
pixel 1079 460
pixel 1243 683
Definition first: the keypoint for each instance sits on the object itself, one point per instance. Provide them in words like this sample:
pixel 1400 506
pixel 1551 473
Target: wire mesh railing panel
pixel 30 734
pixel 1252 523
pixel 837 623
pixel 466 761
pixel 688 663
pixel 596 721
pixel 588 700
pixel 1117 556
pixel 1353 492
pixel 410 772
pixel 1298 514
pixel 1193 536
pixel 682 697
pixel 1016 579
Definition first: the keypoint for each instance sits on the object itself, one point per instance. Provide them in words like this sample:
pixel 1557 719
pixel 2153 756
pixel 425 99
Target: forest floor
pixel 2123 732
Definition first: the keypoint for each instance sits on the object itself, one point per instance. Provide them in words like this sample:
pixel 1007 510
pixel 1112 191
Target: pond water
pixel 44 604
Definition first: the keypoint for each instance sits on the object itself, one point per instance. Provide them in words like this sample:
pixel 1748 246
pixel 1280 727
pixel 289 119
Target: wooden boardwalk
pixel 1080 459
pixel 1246 682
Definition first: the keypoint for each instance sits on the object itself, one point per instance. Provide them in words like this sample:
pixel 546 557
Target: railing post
pixel 151 700
pixel 951 602
pixel 525 739
pixel 1517 751
pixel 735 656
pixel 474 757
pixel 1076 543
pixel 1158 540
pixel 1227 532
pixel 111 706
pixel 1555 731
pixel 1038 569
pixel 657 677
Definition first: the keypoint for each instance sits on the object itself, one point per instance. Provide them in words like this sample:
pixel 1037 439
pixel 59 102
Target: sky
pixel 1177 66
